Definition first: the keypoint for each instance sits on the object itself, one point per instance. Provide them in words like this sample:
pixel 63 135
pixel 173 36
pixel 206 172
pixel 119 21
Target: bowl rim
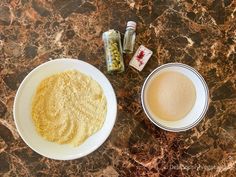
pixel 206 105
pixel 67 157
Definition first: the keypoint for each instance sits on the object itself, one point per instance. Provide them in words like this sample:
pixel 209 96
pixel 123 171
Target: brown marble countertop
pixel 200 33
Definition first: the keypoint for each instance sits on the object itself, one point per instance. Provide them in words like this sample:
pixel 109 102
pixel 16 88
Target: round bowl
pixel 24 122
pixel 201 104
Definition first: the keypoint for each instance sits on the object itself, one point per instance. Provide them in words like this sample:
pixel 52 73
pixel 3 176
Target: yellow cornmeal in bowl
pixel 68 107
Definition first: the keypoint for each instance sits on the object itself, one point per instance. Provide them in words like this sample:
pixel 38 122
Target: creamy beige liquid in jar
pixel 170 95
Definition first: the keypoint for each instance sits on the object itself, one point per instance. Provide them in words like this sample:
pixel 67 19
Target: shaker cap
pixel 131 24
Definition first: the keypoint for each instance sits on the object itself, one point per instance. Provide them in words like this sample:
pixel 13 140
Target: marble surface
pixel 200 33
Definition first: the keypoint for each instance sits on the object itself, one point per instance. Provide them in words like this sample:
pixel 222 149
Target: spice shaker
pixel 113 51
pixel 129 38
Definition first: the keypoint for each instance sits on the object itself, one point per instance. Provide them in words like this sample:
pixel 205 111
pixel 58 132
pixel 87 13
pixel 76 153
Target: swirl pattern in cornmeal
pixel 68 107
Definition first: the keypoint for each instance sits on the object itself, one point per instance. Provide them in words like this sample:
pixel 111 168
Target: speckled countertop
pixel 200 33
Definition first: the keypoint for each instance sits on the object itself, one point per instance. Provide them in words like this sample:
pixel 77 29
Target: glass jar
pixel 129 38
pixel 113 51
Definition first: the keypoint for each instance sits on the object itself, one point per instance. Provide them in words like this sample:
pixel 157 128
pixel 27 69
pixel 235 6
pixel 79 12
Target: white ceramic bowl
pixel 201 104
pixel 22 110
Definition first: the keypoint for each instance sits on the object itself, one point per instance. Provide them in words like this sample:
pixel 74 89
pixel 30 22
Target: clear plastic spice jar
pixel 113 50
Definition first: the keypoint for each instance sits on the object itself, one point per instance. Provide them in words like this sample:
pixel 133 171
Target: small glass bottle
pixel 113 50
pixel 129 38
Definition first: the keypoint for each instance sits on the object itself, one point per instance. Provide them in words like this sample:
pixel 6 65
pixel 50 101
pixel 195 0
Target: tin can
pixel 113 51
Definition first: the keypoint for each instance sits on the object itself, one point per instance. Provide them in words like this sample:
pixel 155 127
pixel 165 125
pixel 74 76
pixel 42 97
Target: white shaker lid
pixel 131 24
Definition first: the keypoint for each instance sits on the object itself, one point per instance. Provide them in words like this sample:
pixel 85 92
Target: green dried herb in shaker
pixel 113 51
